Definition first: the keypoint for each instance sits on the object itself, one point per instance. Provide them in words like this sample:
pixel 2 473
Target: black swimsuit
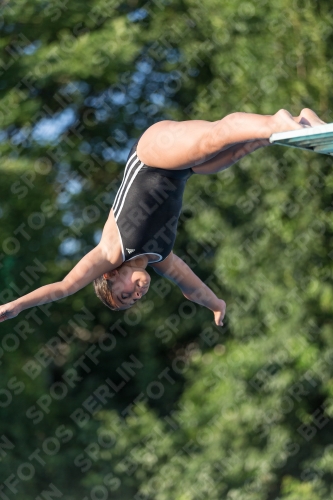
pixel 147 208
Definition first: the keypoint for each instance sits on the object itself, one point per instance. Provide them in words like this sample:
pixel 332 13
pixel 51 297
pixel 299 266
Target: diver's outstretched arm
pixel 176 270
pixel 90 267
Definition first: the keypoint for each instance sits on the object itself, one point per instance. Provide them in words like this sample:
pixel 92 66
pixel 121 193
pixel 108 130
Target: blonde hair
pixel 103 290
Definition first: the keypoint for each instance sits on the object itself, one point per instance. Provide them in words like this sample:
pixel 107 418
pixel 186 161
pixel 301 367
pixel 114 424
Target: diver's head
pixel 121 288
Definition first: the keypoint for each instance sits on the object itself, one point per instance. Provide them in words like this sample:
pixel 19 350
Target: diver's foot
pixel 309 117
pixel 283 121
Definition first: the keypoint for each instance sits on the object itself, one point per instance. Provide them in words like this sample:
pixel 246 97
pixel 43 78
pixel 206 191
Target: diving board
pixel 318 139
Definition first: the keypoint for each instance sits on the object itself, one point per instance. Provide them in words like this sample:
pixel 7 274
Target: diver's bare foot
pixel 309 117
pixel 283 121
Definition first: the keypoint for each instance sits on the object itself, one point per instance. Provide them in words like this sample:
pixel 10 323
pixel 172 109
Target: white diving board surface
pixel 318 139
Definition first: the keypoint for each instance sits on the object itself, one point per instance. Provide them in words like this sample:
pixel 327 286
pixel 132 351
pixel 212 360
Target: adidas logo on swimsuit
pixel 130 250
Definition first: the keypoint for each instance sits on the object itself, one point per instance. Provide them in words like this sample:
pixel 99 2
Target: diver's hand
pixel 9 311
pixel 220 313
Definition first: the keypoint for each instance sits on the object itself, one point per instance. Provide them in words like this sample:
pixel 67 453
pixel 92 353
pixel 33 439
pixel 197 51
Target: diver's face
pixel 129 285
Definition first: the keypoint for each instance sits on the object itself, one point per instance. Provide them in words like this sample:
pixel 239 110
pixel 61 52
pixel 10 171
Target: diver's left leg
pixel 234 153
pixel 179 145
